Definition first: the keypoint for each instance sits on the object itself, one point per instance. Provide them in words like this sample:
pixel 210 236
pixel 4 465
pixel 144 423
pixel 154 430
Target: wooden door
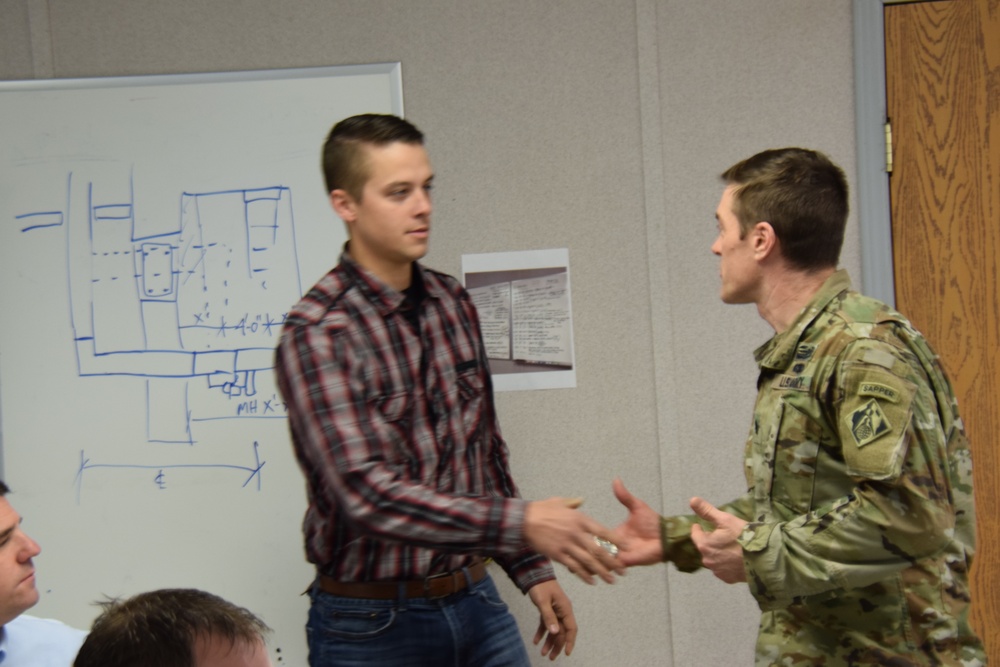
pixel 943 93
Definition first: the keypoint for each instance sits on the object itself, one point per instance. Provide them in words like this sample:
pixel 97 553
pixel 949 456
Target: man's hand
pixel 556 622
pixel 640 531
pixel 720 552
pixel 555 528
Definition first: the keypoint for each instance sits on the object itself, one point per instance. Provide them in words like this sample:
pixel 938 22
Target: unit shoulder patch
pixel 868 423
pixel 875 415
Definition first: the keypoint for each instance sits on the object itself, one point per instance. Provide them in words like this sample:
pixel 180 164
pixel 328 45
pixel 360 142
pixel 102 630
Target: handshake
pixel 557 529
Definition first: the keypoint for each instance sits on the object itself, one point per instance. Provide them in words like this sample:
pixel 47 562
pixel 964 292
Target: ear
pixel 344 205
pixel 765 241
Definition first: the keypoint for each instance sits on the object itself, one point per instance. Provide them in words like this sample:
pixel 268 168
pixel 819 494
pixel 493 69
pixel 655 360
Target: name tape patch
pixel 796 382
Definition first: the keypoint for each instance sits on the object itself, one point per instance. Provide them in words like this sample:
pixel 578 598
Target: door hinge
pixel 888 147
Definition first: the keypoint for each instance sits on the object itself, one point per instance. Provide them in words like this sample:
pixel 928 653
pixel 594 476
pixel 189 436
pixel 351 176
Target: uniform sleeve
pixel 896 507
pixel 347 449
pixel 675 534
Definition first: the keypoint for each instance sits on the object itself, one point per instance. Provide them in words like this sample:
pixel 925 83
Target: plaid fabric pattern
pixel 394 427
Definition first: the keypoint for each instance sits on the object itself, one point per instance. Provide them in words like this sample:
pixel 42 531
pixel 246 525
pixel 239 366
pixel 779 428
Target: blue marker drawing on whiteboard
pixel 250 473
pixel 190 301
pixel 205 296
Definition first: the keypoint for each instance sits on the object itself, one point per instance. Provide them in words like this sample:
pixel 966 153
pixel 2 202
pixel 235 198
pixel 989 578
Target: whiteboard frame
pixel 393 69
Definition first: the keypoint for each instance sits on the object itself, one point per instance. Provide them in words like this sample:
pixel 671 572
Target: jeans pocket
pixel 354 622
pixel 487 591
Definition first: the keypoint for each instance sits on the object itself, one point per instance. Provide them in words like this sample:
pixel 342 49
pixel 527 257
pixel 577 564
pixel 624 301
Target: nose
pixel 422 203
pixel 29 549
pixel 716 250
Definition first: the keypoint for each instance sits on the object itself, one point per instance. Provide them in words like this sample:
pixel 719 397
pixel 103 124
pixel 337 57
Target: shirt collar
pixel 386 298
pixel 778 353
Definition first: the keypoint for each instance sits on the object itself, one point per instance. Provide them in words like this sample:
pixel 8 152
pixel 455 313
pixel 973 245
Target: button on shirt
pixel 39 642
pixel 390 406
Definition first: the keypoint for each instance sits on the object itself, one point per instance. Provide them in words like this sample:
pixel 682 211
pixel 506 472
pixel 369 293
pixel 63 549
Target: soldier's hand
pixel 640 531
pixel 720 552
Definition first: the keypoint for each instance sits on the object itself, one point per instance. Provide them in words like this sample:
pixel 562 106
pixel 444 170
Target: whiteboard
pixel 155 231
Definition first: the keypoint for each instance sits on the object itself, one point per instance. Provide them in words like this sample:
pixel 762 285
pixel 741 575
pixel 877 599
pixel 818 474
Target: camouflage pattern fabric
pixel 862 527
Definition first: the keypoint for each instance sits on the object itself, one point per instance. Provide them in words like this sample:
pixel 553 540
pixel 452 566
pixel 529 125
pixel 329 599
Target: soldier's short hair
pixel 802 194
pixel 345 163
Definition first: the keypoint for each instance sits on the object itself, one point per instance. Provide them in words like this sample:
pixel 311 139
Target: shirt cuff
pixel 759 564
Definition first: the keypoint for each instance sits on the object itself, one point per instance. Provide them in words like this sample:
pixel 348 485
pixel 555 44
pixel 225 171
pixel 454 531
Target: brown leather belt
pixel 437 586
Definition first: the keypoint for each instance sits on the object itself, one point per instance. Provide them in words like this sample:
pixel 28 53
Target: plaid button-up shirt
pixel 406 472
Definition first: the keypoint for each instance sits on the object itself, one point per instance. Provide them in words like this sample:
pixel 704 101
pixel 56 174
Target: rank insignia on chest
pixel 868 423
pixel 804 351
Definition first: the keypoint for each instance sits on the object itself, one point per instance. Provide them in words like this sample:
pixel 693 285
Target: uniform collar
pixel 778 353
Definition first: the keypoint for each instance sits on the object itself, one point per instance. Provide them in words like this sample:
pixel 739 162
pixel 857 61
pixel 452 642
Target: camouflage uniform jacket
pixel 860 504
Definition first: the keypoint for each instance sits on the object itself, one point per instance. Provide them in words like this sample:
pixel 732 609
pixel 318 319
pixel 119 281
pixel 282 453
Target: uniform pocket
pixel 796 452
pixel 785 452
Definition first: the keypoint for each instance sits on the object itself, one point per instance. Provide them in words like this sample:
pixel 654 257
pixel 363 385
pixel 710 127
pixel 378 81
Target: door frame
pixel 870 115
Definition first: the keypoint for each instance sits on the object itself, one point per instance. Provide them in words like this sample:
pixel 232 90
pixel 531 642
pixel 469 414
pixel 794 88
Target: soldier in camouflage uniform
pixel 857 531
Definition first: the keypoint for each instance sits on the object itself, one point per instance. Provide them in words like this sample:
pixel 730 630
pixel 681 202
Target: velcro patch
pixel 874 418
pixel 868 423
pixel 797 382
pixel 879 357
pixel 804 351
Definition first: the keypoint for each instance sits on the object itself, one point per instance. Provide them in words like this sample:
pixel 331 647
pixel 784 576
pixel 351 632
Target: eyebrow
pixel 396 184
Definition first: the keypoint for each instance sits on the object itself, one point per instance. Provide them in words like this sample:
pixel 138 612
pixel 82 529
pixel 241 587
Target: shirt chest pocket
pixel 471 394
pixel 391 417
pixel 786 449
pixel 457 404
pixel 393 408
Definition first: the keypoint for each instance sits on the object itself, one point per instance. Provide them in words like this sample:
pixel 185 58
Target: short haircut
pixel 4 489
pixel 345 164
pixel 802 194
pixel 161 628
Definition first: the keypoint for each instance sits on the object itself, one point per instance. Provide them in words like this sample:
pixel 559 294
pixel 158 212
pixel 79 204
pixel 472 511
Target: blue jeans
pixel 472 628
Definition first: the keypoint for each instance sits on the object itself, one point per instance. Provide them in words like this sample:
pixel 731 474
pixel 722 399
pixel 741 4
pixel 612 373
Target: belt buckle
pixel 442 575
